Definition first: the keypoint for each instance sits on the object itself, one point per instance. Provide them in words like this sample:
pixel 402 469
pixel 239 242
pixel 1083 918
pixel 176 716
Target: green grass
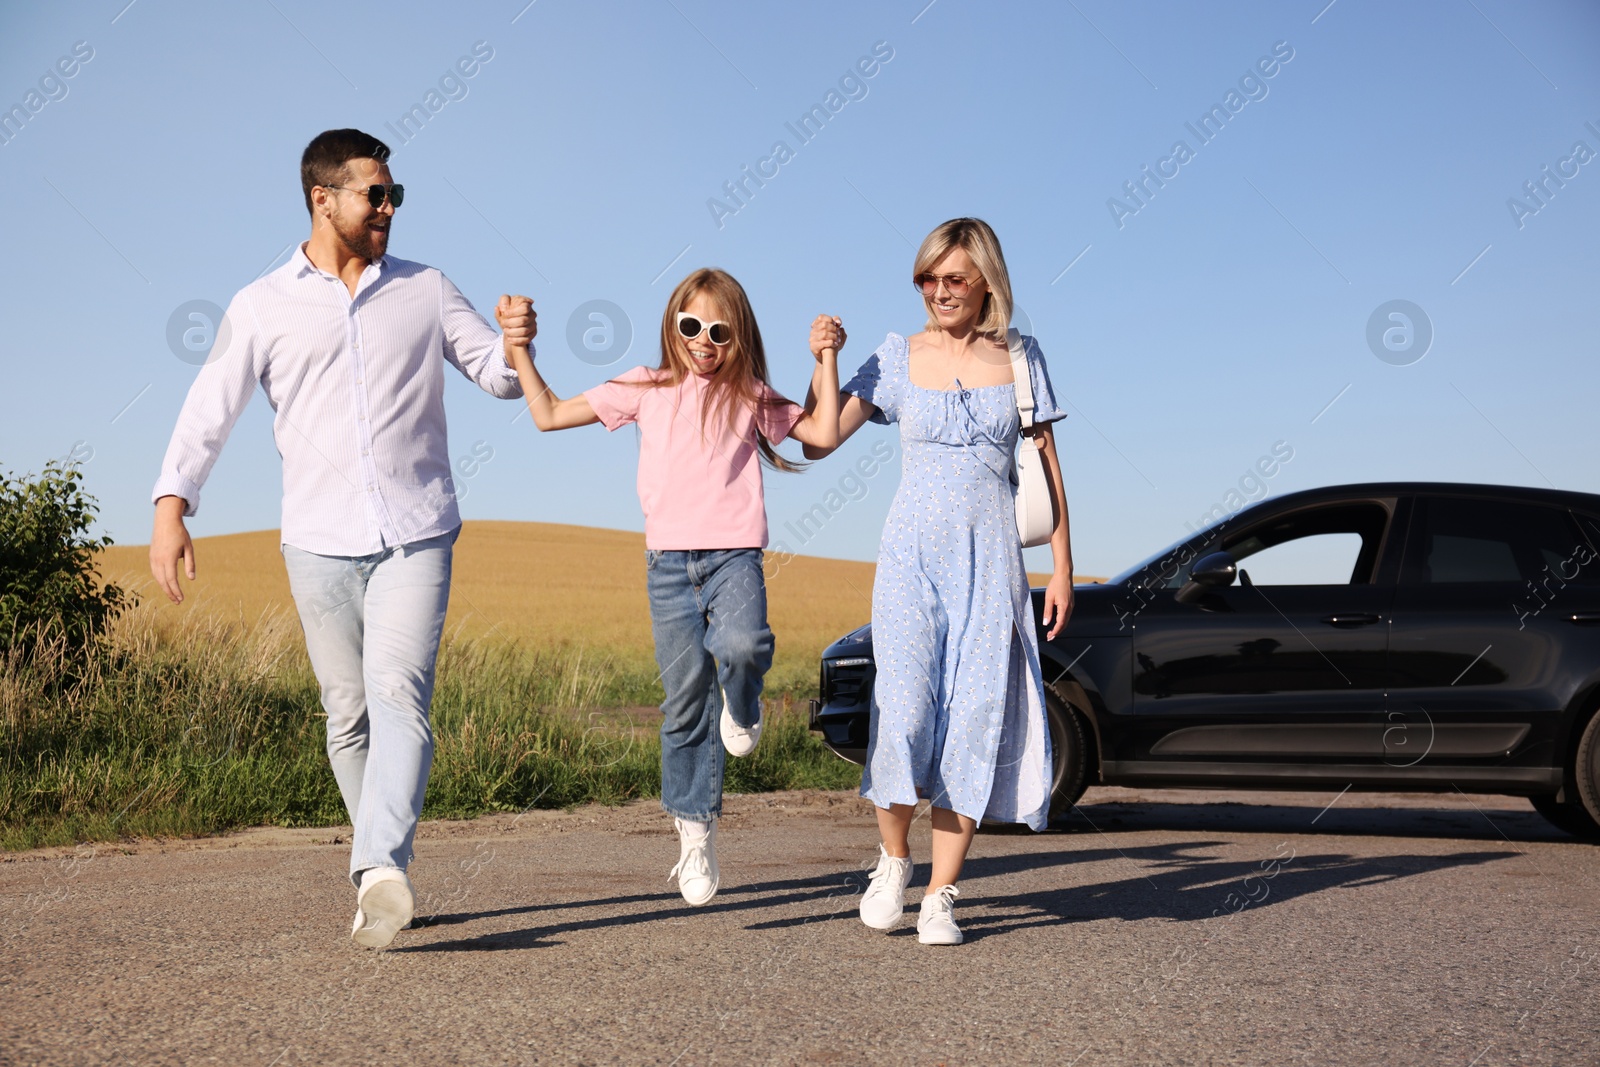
pixel 209 726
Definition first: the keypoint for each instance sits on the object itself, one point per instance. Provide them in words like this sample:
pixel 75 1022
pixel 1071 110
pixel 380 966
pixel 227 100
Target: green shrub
pixel 48 578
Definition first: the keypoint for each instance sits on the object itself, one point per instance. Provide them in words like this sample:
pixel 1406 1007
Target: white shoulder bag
pixel 1036 512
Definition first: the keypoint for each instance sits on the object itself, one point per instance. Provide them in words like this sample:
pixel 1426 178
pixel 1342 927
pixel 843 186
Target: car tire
pixel 1069 755
pixel 1567 816
pixel 1586 771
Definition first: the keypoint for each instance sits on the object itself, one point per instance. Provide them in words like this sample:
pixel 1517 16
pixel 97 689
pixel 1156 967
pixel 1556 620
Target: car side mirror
pixel 1215 570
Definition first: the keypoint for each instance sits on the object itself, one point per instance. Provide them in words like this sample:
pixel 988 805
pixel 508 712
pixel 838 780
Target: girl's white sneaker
pixel 696 871
pixel 884 902
pixel 937 923
pixel 738 740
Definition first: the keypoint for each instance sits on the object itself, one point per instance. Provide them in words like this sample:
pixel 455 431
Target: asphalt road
pixel 1162 927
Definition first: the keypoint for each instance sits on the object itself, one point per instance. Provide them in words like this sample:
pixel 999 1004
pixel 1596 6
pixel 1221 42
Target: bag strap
pixel 1019 372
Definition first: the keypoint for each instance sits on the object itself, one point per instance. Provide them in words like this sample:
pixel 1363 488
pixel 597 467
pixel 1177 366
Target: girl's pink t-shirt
pixel 700 487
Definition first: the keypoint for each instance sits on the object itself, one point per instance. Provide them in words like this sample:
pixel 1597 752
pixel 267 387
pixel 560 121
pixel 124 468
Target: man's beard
pixel 361 241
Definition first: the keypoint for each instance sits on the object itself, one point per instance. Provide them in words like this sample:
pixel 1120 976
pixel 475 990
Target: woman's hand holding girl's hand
pixel 1057 604
pixel 826 332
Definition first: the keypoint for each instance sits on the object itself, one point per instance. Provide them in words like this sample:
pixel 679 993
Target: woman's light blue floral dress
pixel 958 705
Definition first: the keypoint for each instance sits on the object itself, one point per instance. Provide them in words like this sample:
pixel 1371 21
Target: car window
pixel 1332 545
pixel 1465 540
pixel 1457 558
pixel 1315 559
pixel 1586 561
pixel 1335 544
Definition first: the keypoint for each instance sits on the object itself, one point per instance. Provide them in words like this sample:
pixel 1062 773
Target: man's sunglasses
pixel 377 194
pixel 690 327
pixel 928 284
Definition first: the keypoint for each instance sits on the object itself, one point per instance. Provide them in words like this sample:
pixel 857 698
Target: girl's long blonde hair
pixel 744 360
pixel 974 237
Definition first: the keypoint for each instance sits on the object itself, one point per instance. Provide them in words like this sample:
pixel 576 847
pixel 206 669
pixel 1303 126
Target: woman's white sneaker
pixel 384 906
pixel 738 740
pixel 884 902
pixel 696 871
pixel 937 923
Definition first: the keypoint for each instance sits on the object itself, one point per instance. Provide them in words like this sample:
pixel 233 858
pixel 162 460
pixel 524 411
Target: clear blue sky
pixel 1188 337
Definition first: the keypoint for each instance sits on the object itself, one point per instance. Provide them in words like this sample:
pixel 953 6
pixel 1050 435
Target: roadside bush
pixel 48 579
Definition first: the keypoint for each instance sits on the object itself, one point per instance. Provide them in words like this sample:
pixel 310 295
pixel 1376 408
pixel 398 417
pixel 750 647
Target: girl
pixel 707 420
pixel 958 704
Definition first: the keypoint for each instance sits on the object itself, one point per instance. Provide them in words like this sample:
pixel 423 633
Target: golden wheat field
pixel 549 585
pixel 540 583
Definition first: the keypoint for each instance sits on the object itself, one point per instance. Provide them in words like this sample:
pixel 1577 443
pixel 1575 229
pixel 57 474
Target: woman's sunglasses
pixel 691 326
pixel 377 194
pixel 928 284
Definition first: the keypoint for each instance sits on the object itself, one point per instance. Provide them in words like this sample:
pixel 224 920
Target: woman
pixel 958 705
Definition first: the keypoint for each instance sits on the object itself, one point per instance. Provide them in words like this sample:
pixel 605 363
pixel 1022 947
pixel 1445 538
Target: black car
pixel 1401 636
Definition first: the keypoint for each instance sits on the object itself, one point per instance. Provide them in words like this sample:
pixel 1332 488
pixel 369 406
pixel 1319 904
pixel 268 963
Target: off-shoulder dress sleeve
pixel 1045 408
pixel 881 380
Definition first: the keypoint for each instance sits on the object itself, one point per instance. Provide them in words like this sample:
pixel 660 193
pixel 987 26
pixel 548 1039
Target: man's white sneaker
pixel 384 906
pixel 937 923
pixel 696 871
pixel 884 902
pixel 738 740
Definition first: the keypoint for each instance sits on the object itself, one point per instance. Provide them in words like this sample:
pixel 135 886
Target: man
pixel 349 345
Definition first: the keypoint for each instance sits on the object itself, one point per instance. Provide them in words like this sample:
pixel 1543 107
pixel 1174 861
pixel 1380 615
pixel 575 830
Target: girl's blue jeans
pixel 708 610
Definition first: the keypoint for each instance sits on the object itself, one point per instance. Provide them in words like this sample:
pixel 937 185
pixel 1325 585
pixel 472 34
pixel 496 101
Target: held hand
pixel 169 543
pixel 1057 604
pixel 519 323
pixel 826 332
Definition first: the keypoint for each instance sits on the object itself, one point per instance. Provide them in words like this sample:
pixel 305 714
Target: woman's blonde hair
pixel 744 362
pixel 976 239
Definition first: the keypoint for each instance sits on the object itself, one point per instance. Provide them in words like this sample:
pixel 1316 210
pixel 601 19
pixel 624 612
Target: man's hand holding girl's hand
pixel 826 332
pixel 519 323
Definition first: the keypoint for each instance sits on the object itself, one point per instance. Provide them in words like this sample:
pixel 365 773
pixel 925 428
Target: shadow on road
pixel 1173 881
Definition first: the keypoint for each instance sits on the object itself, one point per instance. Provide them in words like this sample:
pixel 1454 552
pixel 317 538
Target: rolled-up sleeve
pixel 473 346
pixel 215 401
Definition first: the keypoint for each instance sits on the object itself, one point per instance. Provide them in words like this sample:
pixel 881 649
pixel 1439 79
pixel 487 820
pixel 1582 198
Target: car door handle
pixel 1346 621
pixel 1584 618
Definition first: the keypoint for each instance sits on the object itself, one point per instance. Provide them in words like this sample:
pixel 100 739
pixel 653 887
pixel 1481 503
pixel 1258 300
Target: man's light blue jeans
pixel 372 626
pixel 708 610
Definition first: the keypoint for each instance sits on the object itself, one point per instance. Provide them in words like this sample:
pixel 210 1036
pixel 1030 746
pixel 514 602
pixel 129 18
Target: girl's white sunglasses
pixel 692 326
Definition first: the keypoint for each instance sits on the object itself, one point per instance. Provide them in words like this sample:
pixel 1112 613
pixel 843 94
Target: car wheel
pixel 1567 816
pixel 1586 769
pixel 1069 754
